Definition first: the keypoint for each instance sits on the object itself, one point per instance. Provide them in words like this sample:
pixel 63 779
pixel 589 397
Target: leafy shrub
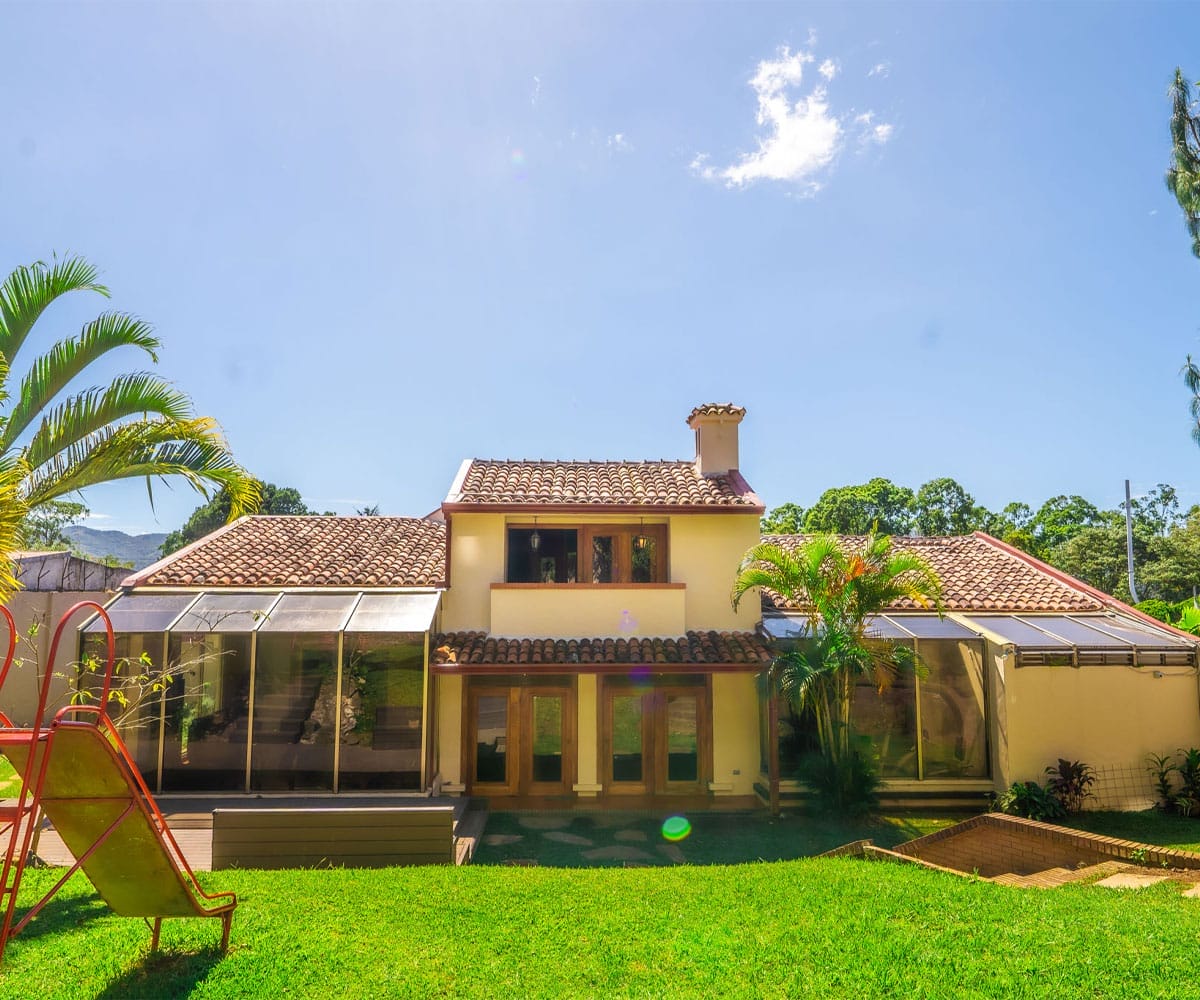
pixel 1161 610
pixel 849 786
pixel 1162 766
pixel 1071 783
pixel 1031 800
pixel 1187 799
pixel 1189 619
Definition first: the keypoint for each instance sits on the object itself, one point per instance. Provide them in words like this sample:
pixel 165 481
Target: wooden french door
pixel 656 741
pixel 520 741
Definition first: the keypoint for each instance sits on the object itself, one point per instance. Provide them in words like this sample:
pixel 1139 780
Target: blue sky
pixel 913 241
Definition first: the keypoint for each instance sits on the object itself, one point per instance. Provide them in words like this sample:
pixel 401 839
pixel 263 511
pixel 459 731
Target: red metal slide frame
pixel 131 858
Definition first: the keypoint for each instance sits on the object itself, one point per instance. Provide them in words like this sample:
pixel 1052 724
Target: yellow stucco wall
pixel 588 776
pixel 705 553
pixel 476 562
pixel 588 611
pixel 1096 714
pixel 735 733
pixel 449 728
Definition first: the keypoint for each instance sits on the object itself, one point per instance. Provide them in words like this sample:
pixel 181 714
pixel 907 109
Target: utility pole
pixel 1129 542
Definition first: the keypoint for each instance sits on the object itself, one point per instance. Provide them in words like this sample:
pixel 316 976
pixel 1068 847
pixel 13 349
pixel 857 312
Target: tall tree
pixel 207 518
pixel 943 507
pixel 1183 176
pixel 55 445
pixel 1061 518
pixel 786 519
pixel 840 587
pixel 879 505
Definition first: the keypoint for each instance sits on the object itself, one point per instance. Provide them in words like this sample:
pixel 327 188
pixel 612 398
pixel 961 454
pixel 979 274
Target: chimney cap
pixel 715 410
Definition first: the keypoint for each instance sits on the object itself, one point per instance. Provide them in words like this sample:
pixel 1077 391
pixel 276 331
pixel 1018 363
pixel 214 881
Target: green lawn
pixel 10 785
pixel 1149 827
pixel 819 928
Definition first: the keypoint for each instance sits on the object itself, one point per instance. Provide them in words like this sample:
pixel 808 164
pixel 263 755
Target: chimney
pixel 716 427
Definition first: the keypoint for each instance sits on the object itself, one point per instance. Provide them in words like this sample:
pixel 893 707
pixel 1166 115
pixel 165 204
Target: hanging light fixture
pixel 535 540
pixel 641 540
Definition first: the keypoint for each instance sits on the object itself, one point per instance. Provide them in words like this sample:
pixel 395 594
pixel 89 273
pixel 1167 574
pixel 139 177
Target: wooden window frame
pixel 622 556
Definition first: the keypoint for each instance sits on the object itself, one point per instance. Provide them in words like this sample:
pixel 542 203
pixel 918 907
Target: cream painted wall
pixel 1096 714
pixel 18 700
pixel 706 550
pixel 476 562
pixel 587 782
pixel 449 728
pixel 735 733
pixel 588 611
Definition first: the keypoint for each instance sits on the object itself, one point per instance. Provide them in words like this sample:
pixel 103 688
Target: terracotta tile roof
pixel 695 647
pixel 654 485
pixel 977 574
pixel 262 551
pixel 716 410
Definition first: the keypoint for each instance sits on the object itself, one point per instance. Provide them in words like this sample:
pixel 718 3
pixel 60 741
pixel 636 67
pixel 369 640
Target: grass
pixel 716 838
pixel 814 928
pixel 1149 827
pixel 10 784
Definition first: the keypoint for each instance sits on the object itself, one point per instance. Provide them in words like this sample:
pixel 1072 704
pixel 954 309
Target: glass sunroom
pixel 922 728
pixel 273 691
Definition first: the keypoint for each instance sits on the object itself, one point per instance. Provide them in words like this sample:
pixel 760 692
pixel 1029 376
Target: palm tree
pixel 1183 177
pixel 53 445
pixel 839 585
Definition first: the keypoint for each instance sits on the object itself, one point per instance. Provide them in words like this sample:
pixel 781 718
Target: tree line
pixel 1069 532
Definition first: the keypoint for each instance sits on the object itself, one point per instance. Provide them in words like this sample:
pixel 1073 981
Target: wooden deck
pixel 190 820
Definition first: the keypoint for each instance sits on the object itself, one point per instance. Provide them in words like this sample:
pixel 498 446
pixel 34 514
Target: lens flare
pixel 517 158
pixel 676 828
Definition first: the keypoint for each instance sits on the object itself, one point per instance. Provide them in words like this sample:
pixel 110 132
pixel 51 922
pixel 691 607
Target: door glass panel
pixel 627 737
pixel 295 713
pixel 644 558
pixel 603 549
pixel 491 738
pixel 547 738
pixel 207 709
pixel 683 749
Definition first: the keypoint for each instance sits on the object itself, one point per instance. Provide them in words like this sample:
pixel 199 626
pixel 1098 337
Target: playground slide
pixel 83 780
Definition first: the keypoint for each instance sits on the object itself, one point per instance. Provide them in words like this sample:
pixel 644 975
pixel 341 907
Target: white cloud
pixel 537 91
pixel 880 69
pixel 800 135
pixel 619 143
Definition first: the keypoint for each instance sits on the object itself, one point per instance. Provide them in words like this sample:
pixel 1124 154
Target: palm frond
pixel 31 288
pixel 52 372
pixel 192 449
pixel 12 518
pixel 88 412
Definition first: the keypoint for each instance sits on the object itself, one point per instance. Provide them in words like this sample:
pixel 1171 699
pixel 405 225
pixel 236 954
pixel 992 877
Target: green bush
pixel 1031 800
pixel 849 786
pixel 1070 782
pixel 1161 610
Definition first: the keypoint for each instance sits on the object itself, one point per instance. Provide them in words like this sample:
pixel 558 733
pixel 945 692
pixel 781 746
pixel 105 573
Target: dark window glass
pixel 542 555
pixel 603 550
pixel 491 739
pixel 382 681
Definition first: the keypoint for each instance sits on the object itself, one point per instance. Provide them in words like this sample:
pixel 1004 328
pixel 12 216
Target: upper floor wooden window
pixel 587 553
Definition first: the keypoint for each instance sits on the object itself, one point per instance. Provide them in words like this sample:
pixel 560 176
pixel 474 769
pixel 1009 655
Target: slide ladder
pixel 77 772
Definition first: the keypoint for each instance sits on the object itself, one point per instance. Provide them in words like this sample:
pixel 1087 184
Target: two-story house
pixel 561 634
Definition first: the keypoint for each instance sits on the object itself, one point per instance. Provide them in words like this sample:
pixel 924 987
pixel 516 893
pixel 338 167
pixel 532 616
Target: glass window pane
pixel 382 693
pixel 884 628
pixel 889 721
pixel 233 612
pixel 491 738
pixel 295 718
pixel 1136 633
pixel 603 550
pixel 142 612
pixel 627 737
pixel 207 714
pixel 393 613
pixel 138 667
pixel 683 750
pixel 932 627
pixel 309 613
pixel 644 559
pixel 542 555
pixel 953 733
pixel 548 738
pixel 1017 632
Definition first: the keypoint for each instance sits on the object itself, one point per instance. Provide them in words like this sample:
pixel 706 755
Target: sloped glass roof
pixel 393 613
pixel 898 626
pixel 141 612
pixel 226 612
pixel 1064 632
